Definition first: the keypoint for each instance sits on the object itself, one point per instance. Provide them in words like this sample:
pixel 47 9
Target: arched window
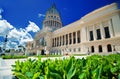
pixel 109 48
pixel 92 49
pixel 100 48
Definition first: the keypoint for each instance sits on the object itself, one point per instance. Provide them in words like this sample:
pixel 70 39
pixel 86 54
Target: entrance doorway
pixel 42 52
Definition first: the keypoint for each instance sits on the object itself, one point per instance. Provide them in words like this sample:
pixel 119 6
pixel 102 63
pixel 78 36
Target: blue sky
pixel 24 13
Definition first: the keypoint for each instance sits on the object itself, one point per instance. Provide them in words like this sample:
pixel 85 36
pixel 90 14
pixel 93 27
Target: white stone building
pixel 97 33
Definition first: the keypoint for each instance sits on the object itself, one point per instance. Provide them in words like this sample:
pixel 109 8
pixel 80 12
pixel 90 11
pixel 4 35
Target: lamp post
pixel 88 52
pixel 66 49
pixel 5 42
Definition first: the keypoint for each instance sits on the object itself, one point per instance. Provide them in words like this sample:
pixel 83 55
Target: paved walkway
pixel 5 65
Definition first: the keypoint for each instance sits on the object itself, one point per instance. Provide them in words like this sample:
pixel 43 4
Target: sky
pixel 21 19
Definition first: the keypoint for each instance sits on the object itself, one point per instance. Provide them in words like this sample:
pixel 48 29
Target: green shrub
pixel 13 56
pixel 93 67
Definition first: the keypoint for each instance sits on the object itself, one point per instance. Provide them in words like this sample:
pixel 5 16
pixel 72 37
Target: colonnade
pixel 100 27
pixel 67 39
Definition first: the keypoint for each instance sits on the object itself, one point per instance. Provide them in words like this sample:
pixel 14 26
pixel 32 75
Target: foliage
pixel 93 67
pixel 13 56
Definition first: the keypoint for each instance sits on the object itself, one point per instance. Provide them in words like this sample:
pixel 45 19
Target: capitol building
pixel 97 32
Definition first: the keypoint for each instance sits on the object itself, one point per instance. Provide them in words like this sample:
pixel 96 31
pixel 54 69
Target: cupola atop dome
pixel 52 10
pixel 52 19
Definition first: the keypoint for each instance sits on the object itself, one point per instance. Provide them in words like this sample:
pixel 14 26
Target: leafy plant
pixel 93 67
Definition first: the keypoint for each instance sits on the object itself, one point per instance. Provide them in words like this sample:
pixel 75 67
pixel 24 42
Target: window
pixel 107 33
pixel 70 38
pixel 48 16
pixel 74 37
pixel 78 37
pixel 60 40
pixel 92 49
pixel 91 35
pixel 98 34
pixel 53 42
pixel 100 48
pixel 66 39
pixel 63 40
pixel 57 41
pixel 74 50
pixel 109 48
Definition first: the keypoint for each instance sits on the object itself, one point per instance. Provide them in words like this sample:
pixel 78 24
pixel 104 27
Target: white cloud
pixel 41 15
pixel 20 35
pixel 32 27
pixel 16 36
pixel 25 39
pixel 5 27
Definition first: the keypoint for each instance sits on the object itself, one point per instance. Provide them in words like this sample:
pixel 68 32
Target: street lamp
pixel 66 49
pixel 88 52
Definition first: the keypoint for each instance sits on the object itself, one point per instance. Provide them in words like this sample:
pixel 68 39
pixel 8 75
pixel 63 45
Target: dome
pixel 52 19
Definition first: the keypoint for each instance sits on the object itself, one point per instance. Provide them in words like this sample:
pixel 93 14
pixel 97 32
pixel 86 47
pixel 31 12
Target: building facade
pixel 97 33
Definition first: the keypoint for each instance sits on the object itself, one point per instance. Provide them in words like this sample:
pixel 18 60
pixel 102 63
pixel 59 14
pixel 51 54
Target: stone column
pixel 110 28
pixel 68 38
pixel 71 38
pixel 76 37
pixel 102 31
pixel 88 35
pixel 80 35
pixel 61 40
pixel 54 42
pixel 94 33
pixel 65 39
pixel 58 41
pixel 52 22
pixel 46 23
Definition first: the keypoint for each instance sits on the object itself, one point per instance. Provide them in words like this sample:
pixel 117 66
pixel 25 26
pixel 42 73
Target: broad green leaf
pixel 71 72
pixel 21 76
pixel 55 75
pixel 29 74
pixel 36 75
pixel 119 76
